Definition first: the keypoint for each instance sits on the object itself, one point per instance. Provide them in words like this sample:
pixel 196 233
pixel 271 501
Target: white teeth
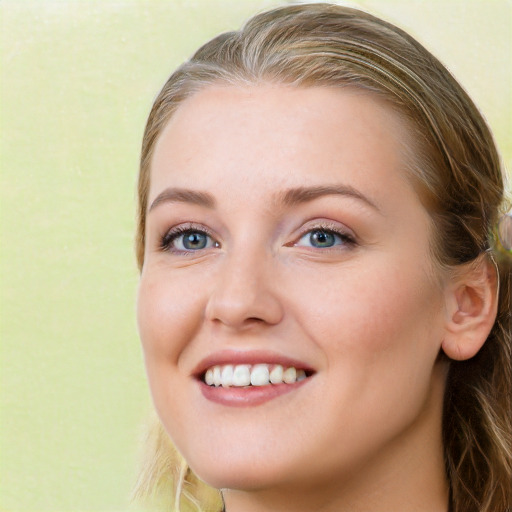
pixel 290 375
pixel 227 375
pixel 208 377
pixel 217 378
pixel 276 375
pixel 242 375
pixel 259 375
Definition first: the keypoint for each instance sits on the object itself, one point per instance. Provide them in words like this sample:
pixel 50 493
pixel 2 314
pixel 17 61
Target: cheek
pixel 168 315
pixel 168 311
pixel 371 311
pixel 381 333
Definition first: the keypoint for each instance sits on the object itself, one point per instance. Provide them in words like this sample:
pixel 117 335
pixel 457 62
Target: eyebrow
pixel 288 197
pixel 182 195
pixel 305 194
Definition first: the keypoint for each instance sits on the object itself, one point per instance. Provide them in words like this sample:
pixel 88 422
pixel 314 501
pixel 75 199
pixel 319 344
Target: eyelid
pixel 326 225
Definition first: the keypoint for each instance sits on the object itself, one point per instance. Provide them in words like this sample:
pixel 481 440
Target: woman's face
pixel 282 231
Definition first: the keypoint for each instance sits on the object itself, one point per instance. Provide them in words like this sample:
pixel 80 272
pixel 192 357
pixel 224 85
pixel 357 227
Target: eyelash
pixel 328 228
pixel 173 234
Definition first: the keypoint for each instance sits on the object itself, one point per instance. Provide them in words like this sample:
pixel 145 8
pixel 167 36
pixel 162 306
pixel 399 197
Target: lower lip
pixel 248 396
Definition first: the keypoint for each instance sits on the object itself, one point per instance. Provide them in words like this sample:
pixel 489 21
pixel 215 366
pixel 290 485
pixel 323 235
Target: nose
pixel 244 293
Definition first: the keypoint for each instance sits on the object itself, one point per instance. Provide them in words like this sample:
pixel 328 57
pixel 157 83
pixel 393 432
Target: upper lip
pixel 248 357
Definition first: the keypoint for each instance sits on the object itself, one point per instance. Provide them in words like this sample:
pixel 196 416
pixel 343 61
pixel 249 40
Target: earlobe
pixel 472 302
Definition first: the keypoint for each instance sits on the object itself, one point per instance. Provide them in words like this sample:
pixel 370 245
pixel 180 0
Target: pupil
pixel 194 241
pixel 322 239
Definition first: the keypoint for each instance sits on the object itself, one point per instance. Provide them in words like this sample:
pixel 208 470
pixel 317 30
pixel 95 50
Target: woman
pixel 324 317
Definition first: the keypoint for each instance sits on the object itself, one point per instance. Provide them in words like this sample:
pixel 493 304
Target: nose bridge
pixel 244 290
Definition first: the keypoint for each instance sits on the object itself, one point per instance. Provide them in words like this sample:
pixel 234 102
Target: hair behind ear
pixel 477 418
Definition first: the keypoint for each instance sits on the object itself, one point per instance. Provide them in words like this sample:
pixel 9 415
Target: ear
pixel 472 303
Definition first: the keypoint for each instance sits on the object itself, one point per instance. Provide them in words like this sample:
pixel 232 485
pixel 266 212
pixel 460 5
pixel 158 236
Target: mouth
pixel 248 375
pixel 239 378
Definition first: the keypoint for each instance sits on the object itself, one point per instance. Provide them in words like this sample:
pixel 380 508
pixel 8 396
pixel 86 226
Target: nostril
pixel 242 297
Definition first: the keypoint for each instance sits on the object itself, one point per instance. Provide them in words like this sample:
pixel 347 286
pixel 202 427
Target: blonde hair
pixel 457 174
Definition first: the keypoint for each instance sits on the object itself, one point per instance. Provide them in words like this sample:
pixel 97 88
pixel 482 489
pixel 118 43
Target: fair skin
pixel 305 244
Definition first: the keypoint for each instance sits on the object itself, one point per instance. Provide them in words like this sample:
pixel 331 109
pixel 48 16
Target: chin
pixel 241 473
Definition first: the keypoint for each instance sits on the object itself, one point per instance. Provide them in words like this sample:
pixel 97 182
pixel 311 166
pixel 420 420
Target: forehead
pixel 261 137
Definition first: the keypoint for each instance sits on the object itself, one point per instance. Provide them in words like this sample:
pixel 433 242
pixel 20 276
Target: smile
pixel 245 375
pixel 249 378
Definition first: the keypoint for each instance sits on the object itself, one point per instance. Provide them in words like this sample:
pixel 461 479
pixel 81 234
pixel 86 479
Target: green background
pixel 77 81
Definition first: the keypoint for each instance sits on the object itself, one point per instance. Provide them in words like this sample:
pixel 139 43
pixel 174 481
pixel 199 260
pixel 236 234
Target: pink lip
pixel 248 357
pixel 251 395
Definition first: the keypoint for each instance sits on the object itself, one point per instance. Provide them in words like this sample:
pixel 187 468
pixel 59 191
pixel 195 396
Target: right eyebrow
pixel 183 195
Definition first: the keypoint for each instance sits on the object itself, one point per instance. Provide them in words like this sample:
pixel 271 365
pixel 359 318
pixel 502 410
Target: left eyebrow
pixel 297 195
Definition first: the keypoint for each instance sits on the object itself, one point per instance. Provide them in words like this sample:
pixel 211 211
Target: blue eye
pixel 194 240
pixel 322 239
pixel 188 240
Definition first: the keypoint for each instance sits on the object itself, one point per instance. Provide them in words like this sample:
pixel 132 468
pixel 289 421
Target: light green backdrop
pixel 78 78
